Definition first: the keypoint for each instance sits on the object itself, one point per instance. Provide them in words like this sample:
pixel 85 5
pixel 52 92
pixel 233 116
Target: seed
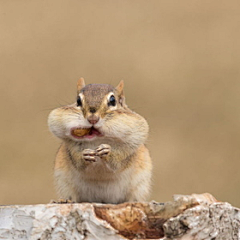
pixel 79 132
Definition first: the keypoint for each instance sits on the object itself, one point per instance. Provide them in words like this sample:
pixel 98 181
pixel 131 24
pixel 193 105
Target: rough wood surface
pixel 187 217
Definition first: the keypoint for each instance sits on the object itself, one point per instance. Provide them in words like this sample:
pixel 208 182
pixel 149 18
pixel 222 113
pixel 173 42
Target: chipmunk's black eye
pixel 112 101
pixel 79 101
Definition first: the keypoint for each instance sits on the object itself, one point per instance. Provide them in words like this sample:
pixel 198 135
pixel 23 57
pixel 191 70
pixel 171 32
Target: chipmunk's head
pixel 95 105
pixel 97 100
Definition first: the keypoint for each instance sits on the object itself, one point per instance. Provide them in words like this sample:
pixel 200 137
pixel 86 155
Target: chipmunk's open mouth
pixel 87 133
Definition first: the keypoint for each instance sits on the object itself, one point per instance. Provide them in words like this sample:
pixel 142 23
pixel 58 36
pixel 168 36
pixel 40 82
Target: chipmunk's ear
pixel 120 93
pixel 80 84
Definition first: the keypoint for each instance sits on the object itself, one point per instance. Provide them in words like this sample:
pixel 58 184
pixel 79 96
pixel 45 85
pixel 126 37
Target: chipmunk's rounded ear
pixel 120 87
pixel 121 96
pixel 80 84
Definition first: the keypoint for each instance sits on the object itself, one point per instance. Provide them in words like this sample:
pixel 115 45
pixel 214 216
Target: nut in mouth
pixel 85 133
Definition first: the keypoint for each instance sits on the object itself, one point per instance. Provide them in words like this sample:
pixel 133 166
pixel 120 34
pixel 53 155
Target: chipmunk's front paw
pixel 103 150
pixel 89 155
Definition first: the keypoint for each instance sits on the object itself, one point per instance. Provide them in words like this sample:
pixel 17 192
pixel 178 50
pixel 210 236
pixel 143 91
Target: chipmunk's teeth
pixel 91 130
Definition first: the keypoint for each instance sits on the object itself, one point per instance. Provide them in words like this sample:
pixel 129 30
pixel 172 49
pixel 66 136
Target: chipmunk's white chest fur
pixel 113 191
pixel 111 188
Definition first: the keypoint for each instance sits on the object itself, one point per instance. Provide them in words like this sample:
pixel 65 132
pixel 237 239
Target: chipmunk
pixel 103 157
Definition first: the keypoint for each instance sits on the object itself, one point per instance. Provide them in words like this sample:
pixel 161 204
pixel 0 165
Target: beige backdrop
pixel 180 62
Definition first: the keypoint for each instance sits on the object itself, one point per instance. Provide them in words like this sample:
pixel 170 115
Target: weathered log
pixel 195 217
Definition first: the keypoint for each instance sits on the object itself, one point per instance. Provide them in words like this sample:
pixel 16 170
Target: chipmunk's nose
pixel 92 109
pixel 93 119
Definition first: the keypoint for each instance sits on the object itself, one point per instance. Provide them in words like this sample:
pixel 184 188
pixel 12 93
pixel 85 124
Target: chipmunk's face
pixel 96 101
pixel 84 120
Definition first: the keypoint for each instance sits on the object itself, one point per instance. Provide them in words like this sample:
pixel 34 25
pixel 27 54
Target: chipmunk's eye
pixel 112 101
pixel 79 101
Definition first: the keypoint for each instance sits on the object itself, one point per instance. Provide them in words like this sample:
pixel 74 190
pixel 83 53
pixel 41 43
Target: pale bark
pixel 195 217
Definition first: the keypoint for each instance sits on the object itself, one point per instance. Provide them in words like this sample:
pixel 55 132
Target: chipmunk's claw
pixel 89 155
pixel 103 150
pixel 61 201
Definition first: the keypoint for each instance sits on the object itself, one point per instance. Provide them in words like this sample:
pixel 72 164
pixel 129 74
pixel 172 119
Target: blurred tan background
pixel 180 62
